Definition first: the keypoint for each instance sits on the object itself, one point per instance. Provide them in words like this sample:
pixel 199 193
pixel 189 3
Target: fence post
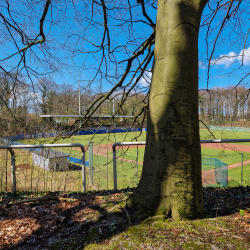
pixel 114 168
pixel 137 165
pixel 107 168
pixel 13 171
pixel 91 161
pixel 6 171
pixel 241 169
pixel 83 173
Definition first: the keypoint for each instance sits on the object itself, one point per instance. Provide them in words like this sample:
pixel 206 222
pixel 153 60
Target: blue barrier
pixel 71 159
pixel 45 135
pixel 78 161
pixel 10 140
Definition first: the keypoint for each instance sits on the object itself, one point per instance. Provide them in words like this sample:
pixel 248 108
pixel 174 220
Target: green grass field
pixel 205 135
pixel 227 156
pixel 97 139
pixel 235 175
pixel 127 173
pixel 131 136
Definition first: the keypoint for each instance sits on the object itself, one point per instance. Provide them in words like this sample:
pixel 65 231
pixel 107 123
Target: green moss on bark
pixel 171 178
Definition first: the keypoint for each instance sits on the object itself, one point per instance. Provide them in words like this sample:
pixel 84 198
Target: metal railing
pixel 83 175
pixel 121 144
pixel 13 167
pixel 114 157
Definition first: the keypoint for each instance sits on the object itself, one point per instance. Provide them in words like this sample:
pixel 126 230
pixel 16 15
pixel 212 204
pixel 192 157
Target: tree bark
pixel 171 182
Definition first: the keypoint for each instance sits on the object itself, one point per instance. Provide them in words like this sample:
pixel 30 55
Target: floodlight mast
pixel 114 109
pixel 80 102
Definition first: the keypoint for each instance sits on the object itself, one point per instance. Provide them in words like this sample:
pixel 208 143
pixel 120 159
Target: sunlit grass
pixel 126 171
pixel 235 175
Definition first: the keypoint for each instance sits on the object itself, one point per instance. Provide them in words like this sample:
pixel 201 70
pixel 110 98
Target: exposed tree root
pixel 127 214
pixel 93 220
pixel 97 218
pixel 46 198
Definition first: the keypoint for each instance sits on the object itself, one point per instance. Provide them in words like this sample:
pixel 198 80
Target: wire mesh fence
pixel 216 173
pixel 231 168
pixel 40 169
pixel 60 169
pixel 101 167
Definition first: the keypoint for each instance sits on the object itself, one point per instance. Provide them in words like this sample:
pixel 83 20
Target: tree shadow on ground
pixel 95 217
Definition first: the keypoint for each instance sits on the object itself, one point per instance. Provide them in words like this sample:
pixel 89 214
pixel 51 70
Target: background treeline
pixel 21 105
pixel 220 105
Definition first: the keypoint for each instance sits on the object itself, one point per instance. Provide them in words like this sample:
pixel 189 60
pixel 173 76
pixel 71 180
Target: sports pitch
pixel 227 156
pixel 128 172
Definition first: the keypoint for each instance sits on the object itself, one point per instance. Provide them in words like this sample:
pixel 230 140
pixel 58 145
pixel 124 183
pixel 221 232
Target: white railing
pixel 13 167
pixel 121 144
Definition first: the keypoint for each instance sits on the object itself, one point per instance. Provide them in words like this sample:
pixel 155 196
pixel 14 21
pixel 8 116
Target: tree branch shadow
pixel 102 217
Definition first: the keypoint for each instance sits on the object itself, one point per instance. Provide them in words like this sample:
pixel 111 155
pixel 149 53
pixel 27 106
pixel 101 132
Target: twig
pixel 46 198
pixel 223 229
pixel 113 208
pixel 127 214
pixel 93 220
pixel 237 237
pixel 57 218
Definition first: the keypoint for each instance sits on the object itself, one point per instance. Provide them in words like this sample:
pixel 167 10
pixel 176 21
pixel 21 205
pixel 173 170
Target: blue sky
pixel 231 58
pixel 71 33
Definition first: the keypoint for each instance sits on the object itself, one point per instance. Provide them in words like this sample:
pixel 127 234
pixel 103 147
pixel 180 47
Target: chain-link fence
pixel 60 169
pixel 222 164
pixel 40 169
pixel 101 170
pixel 231 168
pixel 214 172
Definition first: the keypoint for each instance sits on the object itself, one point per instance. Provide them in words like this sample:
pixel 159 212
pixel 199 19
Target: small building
pixel 50 160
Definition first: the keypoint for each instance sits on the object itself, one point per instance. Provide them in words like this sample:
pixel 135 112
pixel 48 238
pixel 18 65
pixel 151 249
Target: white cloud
pixel 145 80
pixel 245 55
pixel 230 58
pixel 201 65
pixel 226 59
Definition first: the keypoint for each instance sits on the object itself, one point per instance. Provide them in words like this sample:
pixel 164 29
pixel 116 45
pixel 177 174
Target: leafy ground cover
pixel 99 220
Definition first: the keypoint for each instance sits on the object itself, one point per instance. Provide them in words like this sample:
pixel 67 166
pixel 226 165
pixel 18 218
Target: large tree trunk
pixel 171 182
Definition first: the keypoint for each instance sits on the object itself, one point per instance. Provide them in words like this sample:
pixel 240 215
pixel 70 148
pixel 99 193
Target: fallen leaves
pixel 13 231
pixel 36 219
pixel 39 221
